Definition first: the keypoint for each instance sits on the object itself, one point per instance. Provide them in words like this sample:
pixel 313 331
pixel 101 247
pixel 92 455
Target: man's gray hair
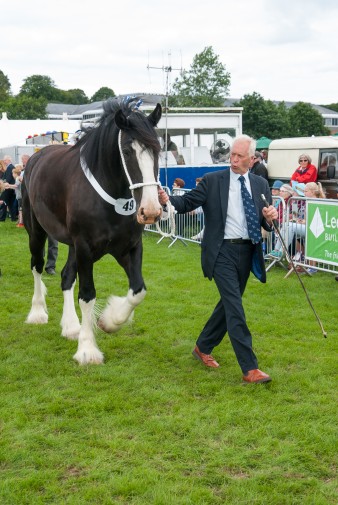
pixel 252 143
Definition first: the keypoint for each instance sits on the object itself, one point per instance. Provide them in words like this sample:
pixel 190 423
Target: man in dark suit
pixel 258 167
pixel 228 255
pixel 8 196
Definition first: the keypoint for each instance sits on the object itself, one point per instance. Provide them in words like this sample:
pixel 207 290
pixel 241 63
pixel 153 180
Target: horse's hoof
pixel 71 332
pixel 108 328
pixel 71 335
pixel 37 318
pixel 94 357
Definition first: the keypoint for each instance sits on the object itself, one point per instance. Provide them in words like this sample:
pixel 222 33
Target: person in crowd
pixel 2 181
pixel 278 203
pixel 311 190
pixel 8 196
pixel 264 154
pixel 306 172
pixel 17 174
pixel 275 190
pixel 24 160
pixel 169 145
pixel 295 229
pixel 52 254
pixel 228 254
pixel 258 168
pixel 286 191
pixel 178 185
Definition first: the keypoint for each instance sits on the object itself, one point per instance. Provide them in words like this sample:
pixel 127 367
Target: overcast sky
pixel 282 49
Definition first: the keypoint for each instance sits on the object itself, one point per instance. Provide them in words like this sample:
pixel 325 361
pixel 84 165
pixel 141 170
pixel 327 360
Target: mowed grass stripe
pixel 151 425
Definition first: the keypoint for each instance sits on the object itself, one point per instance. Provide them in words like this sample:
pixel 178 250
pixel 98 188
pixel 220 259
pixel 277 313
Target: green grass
pixel 152 425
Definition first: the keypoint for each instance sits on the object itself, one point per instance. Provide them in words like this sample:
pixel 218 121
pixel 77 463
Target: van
pixel 284 153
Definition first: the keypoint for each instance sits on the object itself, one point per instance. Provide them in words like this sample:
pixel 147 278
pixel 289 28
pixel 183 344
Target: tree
pixel 263 118
pixel 25 107
pixel 305 121
pixel 205 84
pixel 102 94
pixel 332 106
pixel 5 86
pixel 74 96
pixel 39 86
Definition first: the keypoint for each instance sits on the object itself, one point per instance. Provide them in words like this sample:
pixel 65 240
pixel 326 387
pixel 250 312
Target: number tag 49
pixel 125 207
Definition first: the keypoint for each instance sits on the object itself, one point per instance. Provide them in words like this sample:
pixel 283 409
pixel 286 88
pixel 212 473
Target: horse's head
pixel 139 151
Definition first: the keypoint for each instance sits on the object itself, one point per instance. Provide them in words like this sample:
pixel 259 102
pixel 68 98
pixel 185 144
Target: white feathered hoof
pixel 107 322
pixel 71 333
pixel 89 356
pixel 70 330
pixel 37 316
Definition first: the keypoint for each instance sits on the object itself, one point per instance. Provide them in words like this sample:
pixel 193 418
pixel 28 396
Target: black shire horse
pixel 96 197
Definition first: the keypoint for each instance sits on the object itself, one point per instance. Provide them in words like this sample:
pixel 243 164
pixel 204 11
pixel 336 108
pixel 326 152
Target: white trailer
pixel 284 153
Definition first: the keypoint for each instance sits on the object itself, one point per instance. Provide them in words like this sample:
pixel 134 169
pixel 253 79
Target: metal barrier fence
pixel 293 231
pixel 189 228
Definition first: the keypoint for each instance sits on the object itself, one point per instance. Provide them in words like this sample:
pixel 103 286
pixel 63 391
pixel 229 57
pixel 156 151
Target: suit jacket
pixel 212 194
pixel 259 169
pixel 8 195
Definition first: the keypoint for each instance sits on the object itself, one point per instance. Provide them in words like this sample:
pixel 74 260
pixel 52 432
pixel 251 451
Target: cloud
pixel 280 48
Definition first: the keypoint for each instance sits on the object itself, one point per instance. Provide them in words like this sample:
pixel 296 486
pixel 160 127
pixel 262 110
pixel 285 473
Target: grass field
pixel 152 426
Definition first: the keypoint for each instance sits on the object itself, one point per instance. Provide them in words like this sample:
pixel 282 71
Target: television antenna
pixel 167 69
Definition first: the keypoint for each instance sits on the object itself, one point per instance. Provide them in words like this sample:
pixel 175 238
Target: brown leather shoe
pixel 207 359
pixel 256 377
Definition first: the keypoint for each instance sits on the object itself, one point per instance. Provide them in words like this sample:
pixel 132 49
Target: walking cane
pixel 288 257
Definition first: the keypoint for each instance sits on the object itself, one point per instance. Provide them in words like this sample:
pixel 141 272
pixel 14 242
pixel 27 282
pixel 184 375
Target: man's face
pixel 240 159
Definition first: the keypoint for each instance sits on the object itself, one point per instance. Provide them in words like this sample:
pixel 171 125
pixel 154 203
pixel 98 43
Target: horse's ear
pixel 155 116
pixel 121 120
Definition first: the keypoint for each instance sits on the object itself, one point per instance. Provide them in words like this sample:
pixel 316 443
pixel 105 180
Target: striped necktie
pixel 253 225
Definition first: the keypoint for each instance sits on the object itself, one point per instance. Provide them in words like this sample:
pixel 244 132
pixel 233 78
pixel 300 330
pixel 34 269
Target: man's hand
pixel 270 213
pixel 163 198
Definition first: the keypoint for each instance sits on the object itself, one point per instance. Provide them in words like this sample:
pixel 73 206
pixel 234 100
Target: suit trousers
pixel 52 254
pixel 231 273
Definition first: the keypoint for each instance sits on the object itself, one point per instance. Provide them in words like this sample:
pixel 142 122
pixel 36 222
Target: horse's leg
pixel 87 351
pixel 119 310
pixel 37 238
pixel 70 323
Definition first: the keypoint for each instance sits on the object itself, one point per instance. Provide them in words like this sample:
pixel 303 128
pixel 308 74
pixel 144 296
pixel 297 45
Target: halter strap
pixel 131 185
pixel 94 183
pixel 123 206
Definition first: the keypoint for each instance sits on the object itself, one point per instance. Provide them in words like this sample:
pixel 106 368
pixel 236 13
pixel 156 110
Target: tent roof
pixel 263 143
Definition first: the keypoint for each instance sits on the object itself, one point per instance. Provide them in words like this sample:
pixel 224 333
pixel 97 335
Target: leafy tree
pixel 74 96
pixel 5 86
pixel 263 118
pixel 39 86
pixel 306 121
pixel 102 94
pixel 25 107
pixel 205 84
pixel 332 106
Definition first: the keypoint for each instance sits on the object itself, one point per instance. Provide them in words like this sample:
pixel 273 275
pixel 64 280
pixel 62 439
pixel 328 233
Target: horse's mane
pixel 99 144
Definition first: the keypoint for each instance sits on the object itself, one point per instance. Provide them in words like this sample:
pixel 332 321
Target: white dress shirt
pixel 235 225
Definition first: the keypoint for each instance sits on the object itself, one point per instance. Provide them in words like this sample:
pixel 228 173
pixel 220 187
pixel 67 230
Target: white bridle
pixel 122 205
pixel 131 185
